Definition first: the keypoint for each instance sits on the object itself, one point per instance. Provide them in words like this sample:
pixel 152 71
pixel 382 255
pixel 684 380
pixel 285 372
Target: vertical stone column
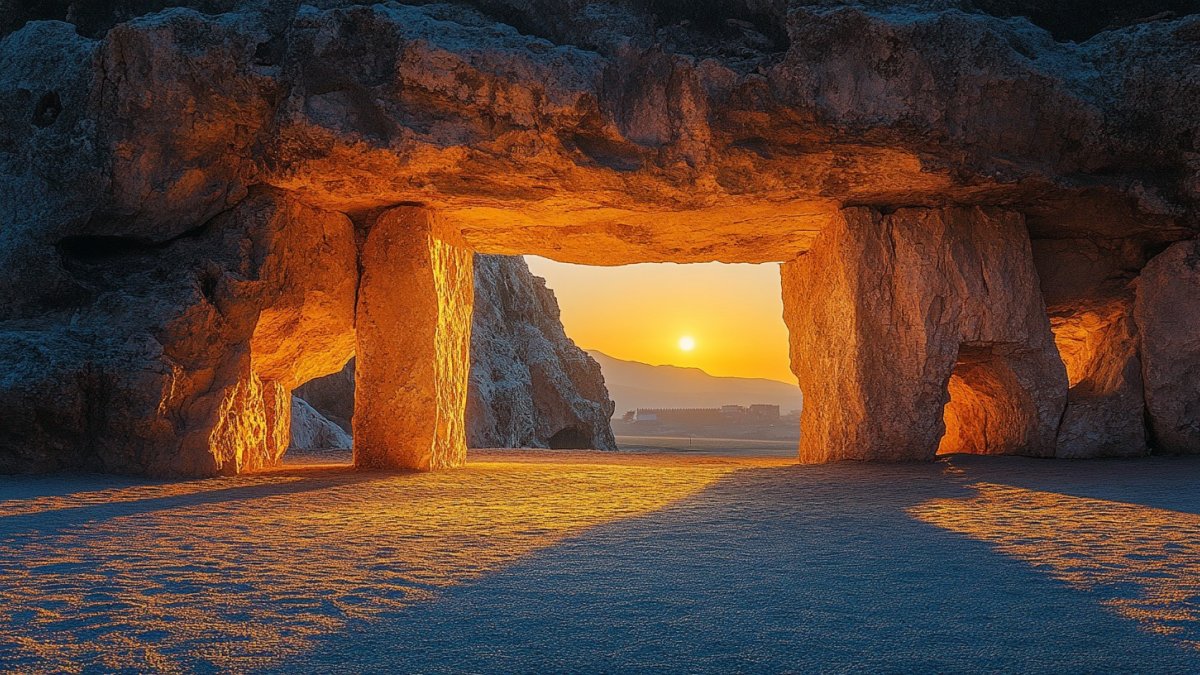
pixel 413 331
pixel 884 309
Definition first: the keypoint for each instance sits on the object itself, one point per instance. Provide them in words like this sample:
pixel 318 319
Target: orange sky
pixel 639 312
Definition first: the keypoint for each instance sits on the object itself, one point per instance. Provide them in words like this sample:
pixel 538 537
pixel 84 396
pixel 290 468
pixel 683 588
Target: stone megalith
pixel 919 332
pixel 410 392
pixel 1168 316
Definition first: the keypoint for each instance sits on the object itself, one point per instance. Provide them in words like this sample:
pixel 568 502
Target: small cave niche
pixel 48 108
pixel 570 438
pixel 989 412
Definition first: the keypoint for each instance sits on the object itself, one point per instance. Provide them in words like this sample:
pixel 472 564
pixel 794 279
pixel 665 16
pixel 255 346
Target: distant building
pixel 680 415
pixel 726 414
pixel 761 411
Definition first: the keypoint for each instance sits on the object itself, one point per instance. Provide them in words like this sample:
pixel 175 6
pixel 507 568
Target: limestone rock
pixel 152 369
pixel 332 395
pixel 1087 288
pixel 311 431
pixel 895 317
pixel 164 176
pixel 1168 317
pixel 1099 345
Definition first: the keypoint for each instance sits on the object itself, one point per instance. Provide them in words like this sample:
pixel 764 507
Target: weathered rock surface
pixel 1169 318
pixel 310 430
pixel 163 181
pixel 154 365
pixel 895 318
pixel 530 386
pixel 414 339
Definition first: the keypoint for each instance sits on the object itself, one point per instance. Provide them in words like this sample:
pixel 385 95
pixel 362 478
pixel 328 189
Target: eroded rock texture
pixel 414 339
pixel 530 385
pixel 1169 318
pixel 150 319
pixel 896 317
pixel 157 361
pixel 1087 287
pixel 312 431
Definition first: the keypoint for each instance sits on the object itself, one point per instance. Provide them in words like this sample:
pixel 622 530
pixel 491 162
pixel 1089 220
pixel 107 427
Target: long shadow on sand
pixel 49 513
pixel 835 568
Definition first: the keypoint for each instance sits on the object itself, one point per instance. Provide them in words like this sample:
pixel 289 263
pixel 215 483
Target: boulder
pixel 1168 318
pixel 311 431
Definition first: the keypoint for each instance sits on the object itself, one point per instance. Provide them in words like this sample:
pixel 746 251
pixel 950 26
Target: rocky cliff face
pixel 530 386
pixel 202 210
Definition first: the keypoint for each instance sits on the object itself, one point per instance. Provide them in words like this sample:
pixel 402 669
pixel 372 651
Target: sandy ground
pixel 602 562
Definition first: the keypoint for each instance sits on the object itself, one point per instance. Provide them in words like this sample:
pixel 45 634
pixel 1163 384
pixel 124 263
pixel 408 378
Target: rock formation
pixel 529 387
pixel 199 211
pixel 1168 292
pixel 311 431
pixel 895 317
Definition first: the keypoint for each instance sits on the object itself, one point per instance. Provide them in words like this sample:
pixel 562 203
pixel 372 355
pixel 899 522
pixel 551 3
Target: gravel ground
pixel 603 562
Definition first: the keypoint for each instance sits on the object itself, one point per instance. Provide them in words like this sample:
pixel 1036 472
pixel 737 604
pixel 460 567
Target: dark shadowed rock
pixel 312 431
pixel 1169 317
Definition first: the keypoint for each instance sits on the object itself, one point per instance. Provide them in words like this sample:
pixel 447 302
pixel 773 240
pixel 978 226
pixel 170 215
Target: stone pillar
pixel 885 309
pixel 413 344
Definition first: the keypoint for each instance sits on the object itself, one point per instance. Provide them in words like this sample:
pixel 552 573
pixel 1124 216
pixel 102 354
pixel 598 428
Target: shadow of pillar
pixel 413 330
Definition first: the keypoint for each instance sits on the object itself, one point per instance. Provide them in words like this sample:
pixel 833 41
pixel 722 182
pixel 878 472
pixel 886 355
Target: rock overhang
pixel 165 135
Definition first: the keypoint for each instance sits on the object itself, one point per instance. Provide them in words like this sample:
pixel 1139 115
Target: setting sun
pixel 686 343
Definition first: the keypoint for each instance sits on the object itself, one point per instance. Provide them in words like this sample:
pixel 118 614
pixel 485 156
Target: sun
pixel 687 343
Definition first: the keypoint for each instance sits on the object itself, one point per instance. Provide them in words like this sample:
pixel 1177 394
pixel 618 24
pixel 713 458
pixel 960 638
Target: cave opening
pixel 988 411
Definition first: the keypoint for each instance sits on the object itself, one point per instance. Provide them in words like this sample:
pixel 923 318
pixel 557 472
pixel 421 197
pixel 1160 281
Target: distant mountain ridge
pixel 633 384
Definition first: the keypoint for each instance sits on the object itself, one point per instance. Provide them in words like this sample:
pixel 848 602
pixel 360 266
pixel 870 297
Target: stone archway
pixel 182 250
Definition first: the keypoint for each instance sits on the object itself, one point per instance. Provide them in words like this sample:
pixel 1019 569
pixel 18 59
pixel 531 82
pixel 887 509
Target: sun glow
pixel 733 313
pixel 687 343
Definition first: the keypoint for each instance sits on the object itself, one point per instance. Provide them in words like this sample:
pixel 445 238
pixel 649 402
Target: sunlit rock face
pixel 530 386
pixel 1167 312
pixel 154 366
pixel 410 388
pixel 896 317
pixel 155 301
